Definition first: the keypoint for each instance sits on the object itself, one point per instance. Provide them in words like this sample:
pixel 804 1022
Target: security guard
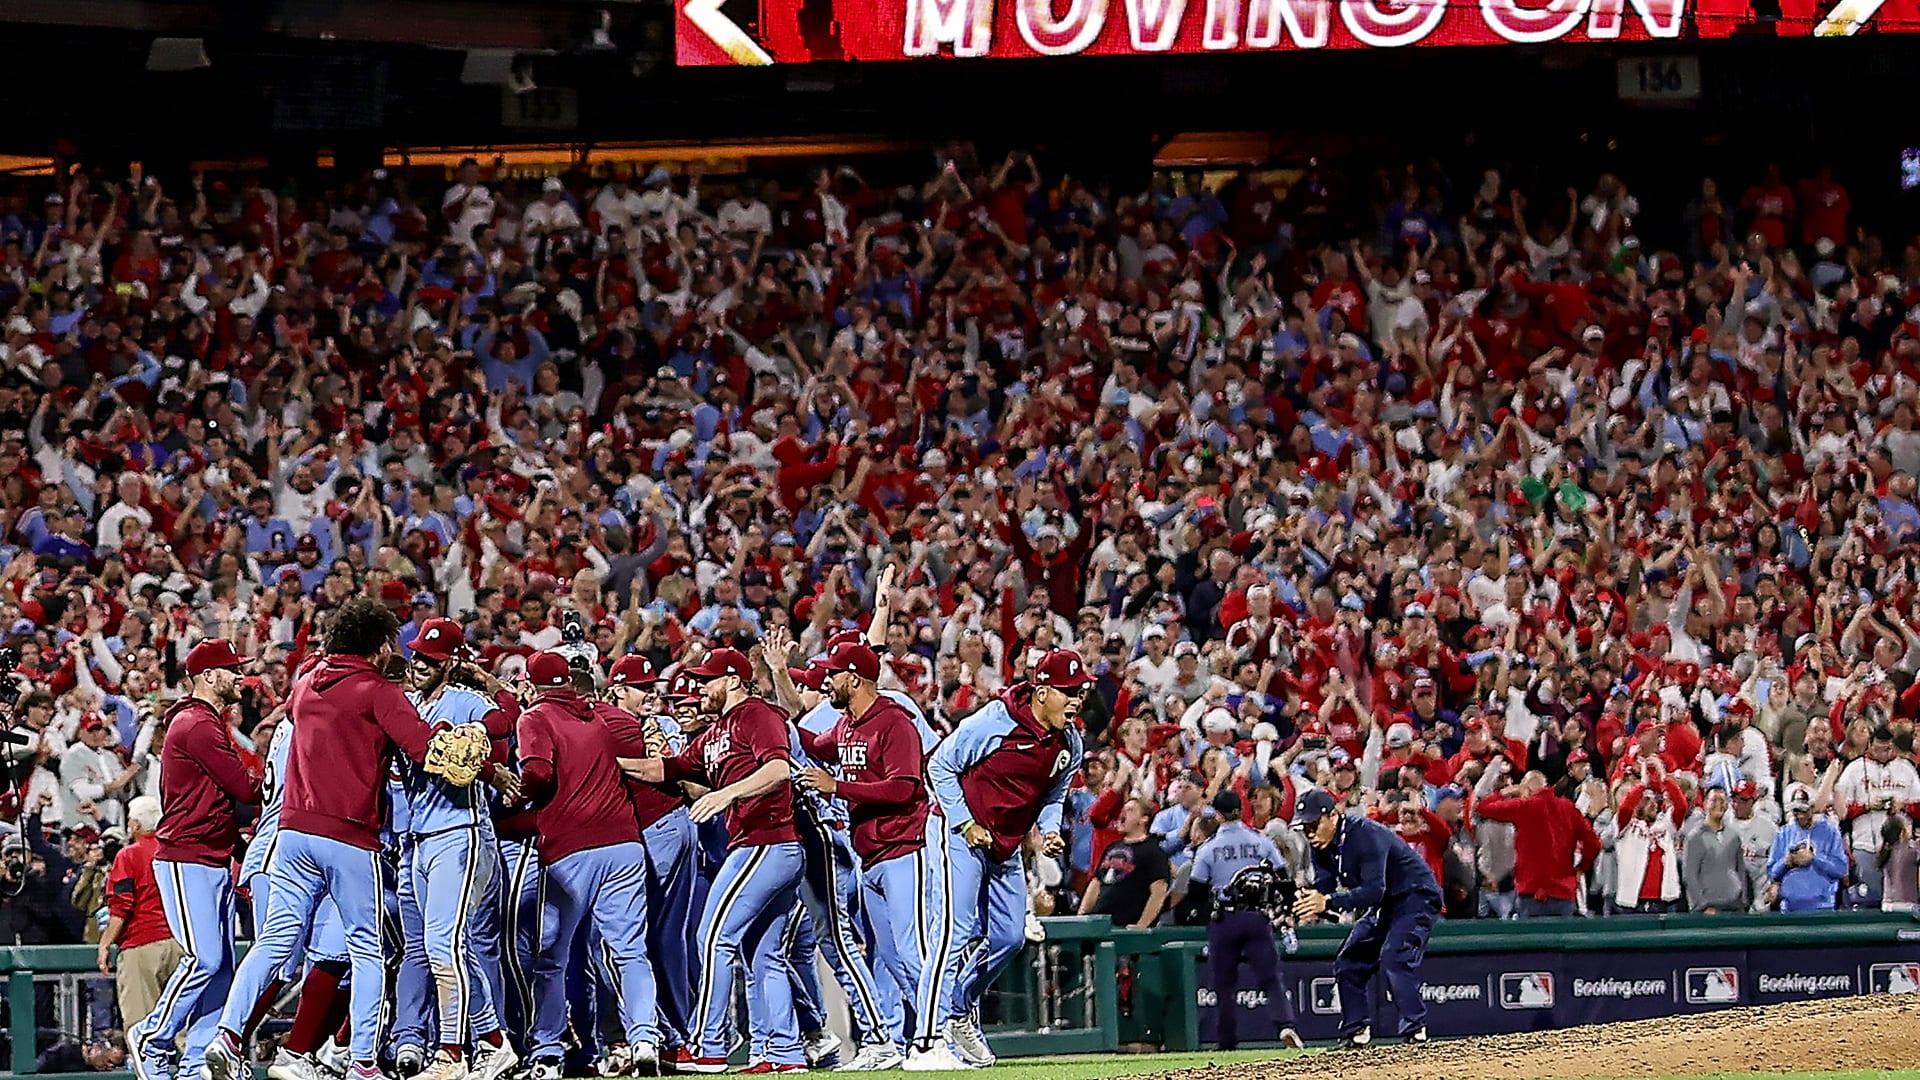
pixel 1242 927
pixel 1360 866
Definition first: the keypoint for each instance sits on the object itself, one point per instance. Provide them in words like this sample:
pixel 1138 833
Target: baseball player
pixel 744 756
pixel 667 834
pixel 348 719
pixel 1003 771
pixel 1235 936
pixel 321 1008
pixel 590 851
pixel 881 759
pixel 830 893
pixel 1361 866
pixel 202 783
pixel 452 859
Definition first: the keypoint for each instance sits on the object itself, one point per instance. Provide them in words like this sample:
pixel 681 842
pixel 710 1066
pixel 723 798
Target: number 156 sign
pixel 1660 80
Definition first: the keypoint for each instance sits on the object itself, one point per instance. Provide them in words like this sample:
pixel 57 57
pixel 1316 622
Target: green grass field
pixel 1107 1066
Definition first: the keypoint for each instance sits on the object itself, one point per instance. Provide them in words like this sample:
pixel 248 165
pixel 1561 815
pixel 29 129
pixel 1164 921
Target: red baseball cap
pixel 439 639
pixel 1746 789
pixel 549 669
pixel 856 657
pixel 1061 669
pixel 1740 705
pixel 813 676
pixel 723 662
pixel 845 637
pixel 633 670
pixel 213 653
pixel 1578 756
pixel 395 592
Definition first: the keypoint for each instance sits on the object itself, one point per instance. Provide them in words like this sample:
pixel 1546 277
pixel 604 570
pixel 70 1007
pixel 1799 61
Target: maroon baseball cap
pixel 632 670
pixel 813 676
pixel 683 687
pixel 549 669
pixel 856 657
pixel 845 637
pixel 213 653
pixel 1061 669
pixel 438 639
pixel 723 662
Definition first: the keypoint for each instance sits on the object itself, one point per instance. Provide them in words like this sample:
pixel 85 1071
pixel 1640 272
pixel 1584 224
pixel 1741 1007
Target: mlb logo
pixel 1526 990
pixel 1324 994
pixel 1713 986
pixel 1894 978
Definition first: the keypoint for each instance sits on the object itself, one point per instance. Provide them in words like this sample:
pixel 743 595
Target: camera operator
pixel 32 911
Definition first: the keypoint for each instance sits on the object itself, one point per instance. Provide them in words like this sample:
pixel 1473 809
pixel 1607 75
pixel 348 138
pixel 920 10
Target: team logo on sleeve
pixel 1060 762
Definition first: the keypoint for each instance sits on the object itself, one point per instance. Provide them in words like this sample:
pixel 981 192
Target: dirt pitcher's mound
pixel 1811 1036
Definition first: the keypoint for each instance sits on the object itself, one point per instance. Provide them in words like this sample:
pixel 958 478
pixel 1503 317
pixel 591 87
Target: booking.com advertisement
pixel 1486 994
pixel 763 32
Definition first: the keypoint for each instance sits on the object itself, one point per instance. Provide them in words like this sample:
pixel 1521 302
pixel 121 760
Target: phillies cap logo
pixel 433 634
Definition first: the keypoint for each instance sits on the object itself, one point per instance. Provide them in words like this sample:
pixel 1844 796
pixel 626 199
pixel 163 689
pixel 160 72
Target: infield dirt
pixel 1810 1036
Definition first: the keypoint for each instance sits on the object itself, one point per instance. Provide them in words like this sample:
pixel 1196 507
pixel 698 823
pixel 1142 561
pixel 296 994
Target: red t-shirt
pixel 134 896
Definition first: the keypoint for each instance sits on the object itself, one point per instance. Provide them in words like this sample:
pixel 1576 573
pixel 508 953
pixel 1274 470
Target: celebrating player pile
pixel 466 878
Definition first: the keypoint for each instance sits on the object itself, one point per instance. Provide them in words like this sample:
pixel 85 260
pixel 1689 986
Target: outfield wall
pixel 1479 978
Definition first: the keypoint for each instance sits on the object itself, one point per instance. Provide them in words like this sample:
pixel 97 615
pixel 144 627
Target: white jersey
pixel 273 790
pixel 1866 782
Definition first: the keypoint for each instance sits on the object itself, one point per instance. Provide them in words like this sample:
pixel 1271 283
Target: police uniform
pixel 1388 887
pixel 1239 933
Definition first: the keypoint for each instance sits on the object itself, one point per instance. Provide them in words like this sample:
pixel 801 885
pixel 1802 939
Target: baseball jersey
pixel 651 802
pixel 424 803
pixel 1005 770
pixel 1231 850
pixel 348 721
pixel 880 762
pixel 732 748
pixel 823 718
pixel 273 789
pixel 568 769
pixel 201 783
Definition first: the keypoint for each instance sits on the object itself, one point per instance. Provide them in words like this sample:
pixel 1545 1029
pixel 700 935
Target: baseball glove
pixel 457 754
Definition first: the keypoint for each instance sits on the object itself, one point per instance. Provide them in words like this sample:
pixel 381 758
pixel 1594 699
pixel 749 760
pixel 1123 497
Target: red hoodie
pixel 348 720
pixel 1549 834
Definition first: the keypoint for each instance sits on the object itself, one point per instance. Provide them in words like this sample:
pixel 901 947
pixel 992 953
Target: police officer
pixel 1361 867
pixel 1242 928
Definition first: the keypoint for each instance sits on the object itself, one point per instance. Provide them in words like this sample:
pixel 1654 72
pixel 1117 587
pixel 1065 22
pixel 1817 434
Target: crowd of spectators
pixel 1585 561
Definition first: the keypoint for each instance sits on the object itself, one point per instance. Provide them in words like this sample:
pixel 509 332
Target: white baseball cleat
pixel 333 1057
pixel 494 1062
pixel 543 1069
pixel 1291 1039
pixel 615 1062
pixel 445 1066
pixel 964 1033
pixel 875 1057
pixel 821 1046
pixel 643 1059
pixel 288 1065
pixel 939 1058
pixel 224 1060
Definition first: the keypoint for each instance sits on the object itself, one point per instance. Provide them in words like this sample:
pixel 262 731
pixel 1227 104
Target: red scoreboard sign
pixel 762 32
